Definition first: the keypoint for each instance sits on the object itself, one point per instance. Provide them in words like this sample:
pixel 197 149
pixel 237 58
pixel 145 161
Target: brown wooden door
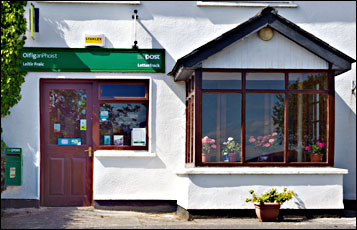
pixel 66 111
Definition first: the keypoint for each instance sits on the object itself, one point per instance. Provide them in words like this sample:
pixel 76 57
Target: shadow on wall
pixel 231 181
pixel 345 142
pixel 134 162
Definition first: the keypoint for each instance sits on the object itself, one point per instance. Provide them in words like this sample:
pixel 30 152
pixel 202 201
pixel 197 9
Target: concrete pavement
pixel 90 218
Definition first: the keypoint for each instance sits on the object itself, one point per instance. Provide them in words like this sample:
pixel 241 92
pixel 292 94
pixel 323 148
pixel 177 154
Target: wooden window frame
pixel 119 100
pixel 197 92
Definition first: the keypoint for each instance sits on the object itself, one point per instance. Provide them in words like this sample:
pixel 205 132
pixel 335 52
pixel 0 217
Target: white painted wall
pixel 277 53
pixel 179 28
pixel 228 189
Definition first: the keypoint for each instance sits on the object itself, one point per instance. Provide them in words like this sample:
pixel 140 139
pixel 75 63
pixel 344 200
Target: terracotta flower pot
pixel 232 157
pixel 267 211
pixel 314 157
pixel 204 157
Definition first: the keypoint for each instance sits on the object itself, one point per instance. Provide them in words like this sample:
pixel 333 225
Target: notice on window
pixel 56 128
pixel 104 115
pixel 83 124
pixel 69 141
pixel 138 137
pixel 107 139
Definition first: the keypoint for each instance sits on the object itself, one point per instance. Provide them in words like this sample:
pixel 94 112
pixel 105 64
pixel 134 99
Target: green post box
pixel 13 166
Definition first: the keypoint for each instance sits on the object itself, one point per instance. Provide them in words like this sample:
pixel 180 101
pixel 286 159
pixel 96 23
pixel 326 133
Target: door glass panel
pixel 68 124
pixel 123 124
pixel 264 127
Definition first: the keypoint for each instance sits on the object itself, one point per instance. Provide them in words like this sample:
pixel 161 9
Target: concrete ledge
pixel 261 171
pixel 153 206
pixel 19 203
pixel 284 214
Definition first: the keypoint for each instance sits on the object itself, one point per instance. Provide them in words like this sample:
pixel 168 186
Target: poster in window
pixel 104 115
pixel 138 137
pixel 119 140
pixel 69 141
pixel 107 139
pixel 83 124
pixel 56 128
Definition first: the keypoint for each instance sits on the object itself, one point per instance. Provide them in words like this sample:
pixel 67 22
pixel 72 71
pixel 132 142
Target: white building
pixel 274 79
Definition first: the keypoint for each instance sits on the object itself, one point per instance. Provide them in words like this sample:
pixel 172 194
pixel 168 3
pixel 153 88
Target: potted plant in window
pixel 264 145
pixel 316 151
pixel 231 149
pixel 207 146
pixel 267 206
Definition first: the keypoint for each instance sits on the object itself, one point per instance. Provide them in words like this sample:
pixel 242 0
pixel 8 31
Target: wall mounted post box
pixel 13 166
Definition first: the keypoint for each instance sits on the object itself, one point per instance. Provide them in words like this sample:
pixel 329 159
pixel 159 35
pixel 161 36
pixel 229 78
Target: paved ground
pixel 88 217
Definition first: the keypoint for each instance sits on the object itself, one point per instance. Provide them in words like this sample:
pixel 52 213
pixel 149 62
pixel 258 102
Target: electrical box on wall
pixel 91 40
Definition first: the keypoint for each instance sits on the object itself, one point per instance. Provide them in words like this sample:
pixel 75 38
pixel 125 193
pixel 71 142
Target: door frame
pixel 94 93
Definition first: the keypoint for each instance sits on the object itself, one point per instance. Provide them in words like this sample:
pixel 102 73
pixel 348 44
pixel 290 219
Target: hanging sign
pixel 92 60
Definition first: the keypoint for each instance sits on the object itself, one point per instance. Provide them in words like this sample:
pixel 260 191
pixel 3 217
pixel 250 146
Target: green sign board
pixel 92 60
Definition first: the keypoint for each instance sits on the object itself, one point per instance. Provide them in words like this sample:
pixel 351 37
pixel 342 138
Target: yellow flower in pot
pixel 267 206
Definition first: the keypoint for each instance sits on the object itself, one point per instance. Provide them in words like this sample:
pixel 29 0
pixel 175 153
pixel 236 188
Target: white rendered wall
pixel 277 53
pixel 179 28
pixel 217 188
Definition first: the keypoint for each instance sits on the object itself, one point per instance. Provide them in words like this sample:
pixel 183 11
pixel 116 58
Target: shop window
pixel 123 115
pixel 246 118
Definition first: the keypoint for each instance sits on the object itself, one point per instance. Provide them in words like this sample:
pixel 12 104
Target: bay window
pixel 259 118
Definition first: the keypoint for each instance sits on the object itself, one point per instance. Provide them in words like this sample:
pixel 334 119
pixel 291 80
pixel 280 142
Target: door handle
pixel 89 150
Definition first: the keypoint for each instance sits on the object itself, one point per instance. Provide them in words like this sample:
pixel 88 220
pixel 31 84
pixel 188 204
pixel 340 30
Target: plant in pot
pixel 316 151
pixel 265 145
pixel 267 206
pixel 231 150
pixel 207 147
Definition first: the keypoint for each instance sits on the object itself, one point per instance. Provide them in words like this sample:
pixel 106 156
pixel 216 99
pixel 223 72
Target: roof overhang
pixel 268 16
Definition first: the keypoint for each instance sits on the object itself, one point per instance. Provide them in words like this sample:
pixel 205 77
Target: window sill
pixel 261 171
pixel 123 153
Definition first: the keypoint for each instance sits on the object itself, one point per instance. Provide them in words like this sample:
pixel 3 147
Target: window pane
pixel 307 125
pixel 265 81
pixel 221 127
pixel 264 127
pixel 67 110
pixel 215 80
pixel 123 90
pixel 123 124
pixel 308 81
